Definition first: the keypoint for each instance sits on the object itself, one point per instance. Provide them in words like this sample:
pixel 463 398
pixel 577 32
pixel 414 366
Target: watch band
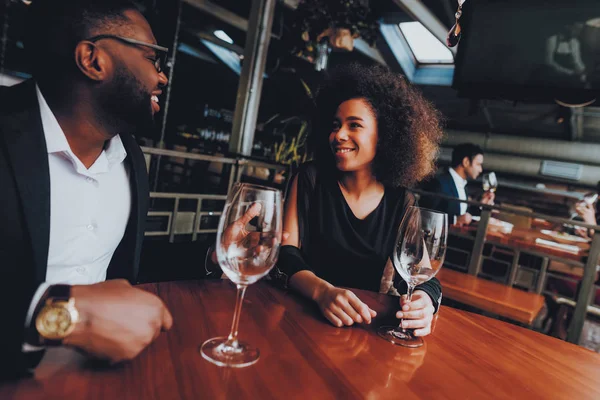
pixel 57 293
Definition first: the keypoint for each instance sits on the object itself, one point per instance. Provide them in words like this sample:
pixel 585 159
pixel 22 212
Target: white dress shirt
pixel 460 183
pixel 89 209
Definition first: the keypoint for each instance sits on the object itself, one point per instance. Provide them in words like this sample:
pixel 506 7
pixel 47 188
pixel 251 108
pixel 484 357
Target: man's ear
pixel 466 163
pixel 92 61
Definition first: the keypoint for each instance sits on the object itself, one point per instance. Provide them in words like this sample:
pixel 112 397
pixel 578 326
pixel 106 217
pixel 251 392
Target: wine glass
pixel 248 241
pixel 589 198
pixel 490 182
pixel 418 255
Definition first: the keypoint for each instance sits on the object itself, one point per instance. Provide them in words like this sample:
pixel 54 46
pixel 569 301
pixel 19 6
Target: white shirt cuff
pixel 26 348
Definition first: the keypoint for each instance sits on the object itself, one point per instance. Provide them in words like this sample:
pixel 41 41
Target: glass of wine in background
pixel 490 183
pixel 418 255
pixel 248 241
pixel 589 198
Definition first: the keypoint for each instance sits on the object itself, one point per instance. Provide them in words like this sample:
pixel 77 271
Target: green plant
pixel 293 152
pixel 314 17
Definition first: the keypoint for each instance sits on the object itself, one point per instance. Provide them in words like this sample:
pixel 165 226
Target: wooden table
pixel 303 357
pixel 524 239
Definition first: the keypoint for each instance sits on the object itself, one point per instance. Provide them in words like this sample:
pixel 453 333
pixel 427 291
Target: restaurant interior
pixel 238 108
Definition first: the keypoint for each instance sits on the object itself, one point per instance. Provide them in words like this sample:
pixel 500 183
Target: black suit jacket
pixel 25 216
pixel 442 184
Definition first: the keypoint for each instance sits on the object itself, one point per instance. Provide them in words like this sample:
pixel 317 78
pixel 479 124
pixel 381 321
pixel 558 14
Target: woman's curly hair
pixel 409 128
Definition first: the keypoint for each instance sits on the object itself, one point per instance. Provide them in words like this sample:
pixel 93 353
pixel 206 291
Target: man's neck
pixel 86 135
pixel 460 171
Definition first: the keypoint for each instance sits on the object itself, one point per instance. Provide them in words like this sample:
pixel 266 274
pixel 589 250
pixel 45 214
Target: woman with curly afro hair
pixel 374 135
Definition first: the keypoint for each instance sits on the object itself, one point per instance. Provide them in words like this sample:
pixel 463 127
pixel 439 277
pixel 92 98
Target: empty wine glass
pixel 490 182
pixel 248 242
pixel 418 255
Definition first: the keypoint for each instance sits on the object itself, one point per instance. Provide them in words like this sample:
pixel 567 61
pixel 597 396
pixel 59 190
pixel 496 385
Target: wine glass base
pixel 398 337
pixel 218 352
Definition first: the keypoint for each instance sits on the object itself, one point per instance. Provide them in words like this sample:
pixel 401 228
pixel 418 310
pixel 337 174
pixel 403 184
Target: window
pixel 426 48
pixel 230 58
pixel 223 36
pixel 423 58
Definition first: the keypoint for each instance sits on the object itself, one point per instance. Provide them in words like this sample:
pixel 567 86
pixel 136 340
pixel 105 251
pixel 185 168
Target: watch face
pixel 53 322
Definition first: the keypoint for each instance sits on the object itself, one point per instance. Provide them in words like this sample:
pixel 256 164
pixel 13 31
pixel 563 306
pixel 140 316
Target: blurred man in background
pixel 467 163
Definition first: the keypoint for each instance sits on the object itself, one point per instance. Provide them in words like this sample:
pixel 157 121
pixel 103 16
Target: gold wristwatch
pixel 57 317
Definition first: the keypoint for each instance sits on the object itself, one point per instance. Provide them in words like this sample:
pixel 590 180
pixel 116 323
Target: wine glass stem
pixel 232 338
pixel 409 294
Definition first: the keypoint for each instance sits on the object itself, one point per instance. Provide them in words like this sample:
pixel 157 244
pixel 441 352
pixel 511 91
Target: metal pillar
pixel 163 128
pixel 227 16
pixel 475 263
pixel 585 291
pixel 251 78
pixel 514 268
pixel 4 40
pixel 576 123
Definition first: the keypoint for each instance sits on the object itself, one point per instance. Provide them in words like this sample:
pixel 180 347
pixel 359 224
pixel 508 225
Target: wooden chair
pixel 519 221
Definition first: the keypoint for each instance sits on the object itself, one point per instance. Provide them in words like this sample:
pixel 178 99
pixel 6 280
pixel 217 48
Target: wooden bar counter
pixel 303 357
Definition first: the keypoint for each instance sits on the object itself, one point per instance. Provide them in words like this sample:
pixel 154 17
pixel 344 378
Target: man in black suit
pixel 467 163
pixel 74 187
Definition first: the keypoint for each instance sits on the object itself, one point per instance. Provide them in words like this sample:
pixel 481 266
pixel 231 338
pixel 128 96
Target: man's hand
pixel 488 198
pixel 116 320
pixel 342 307
pixel 237 232
pixel 586 212
pixel 418 314
pixel 464 219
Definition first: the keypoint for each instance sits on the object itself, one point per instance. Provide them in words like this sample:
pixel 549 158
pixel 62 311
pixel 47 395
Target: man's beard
pixel 126 105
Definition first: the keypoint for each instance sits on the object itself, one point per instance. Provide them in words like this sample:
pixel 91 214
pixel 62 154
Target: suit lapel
pixel 134 233
pixel 452 185
pixel 451 190
pixel 27 154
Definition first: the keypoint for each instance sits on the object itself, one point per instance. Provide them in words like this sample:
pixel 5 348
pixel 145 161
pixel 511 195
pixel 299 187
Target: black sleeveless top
pixel 340 248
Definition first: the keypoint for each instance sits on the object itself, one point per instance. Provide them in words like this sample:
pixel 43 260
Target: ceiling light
pixel 223 36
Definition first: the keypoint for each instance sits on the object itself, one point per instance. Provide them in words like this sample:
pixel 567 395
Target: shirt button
pixel 90 180
pixel 90 227
pixel 81 270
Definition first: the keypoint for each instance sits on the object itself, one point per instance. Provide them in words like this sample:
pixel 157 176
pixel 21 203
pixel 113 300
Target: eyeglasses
pixel 161 52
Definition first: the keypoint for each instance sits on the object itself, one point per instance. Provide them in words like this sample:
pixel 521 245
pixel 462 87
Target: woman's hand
pixel 342 307
pixel 418 314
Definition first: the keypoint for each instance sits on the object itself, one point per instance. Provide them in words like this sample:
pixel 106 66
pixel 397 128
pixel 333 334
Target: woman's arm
pixel 290 216
pixel 340 306
pixel 551 44
pixel 576 53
